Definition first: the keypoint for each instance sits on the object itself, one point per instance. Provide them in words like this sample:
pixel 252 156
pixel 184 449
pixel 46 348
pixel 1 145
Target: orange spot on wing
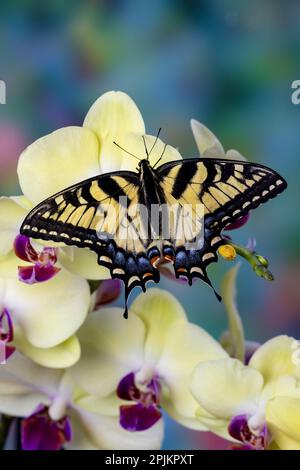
pixel 147 275
pixel 154 260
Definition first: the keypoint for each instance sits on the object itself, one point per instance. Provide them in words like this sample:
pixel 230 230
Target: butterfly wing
pixel 101 214
pixel 224 190
pixel 77 214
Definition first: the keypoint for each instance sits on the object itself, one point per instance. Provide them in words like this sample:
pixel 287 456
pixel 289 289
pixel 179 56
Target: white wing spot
pixel 207 256
pixel 197 270
pixel 105 259
pixel 133 279
pixel 118 271
pixel 215 240
pixel 236 212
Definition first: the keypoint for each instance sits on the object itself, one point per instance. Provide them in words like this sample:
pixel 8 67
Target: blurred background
pixel 228 64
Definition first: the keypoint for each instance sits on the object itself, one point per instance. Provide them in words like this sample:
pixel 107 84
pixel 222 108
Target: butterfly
pixel 174 212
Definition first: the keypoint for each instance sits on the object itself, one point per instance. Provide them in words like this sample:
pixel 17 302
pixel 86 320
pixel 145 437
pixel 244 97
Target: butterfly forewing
pixel 225 190
pixel 79 213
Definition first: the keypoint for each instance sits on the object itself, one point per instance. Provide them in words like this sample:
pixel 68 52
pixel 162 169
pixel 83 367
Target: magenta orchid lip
pixel 145 411
pixel 240 430
pixel 42 263
pixel 40 432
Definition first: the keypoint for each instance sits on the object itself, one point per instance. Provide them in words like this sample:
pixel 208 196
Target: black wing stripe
pixel 86 194
pixel 183 178
pixel 112 188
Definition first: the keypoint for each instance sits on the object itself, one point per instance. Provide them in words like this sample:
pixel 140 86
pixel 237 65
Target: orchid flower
pixel 143 365
pixel 49 404
pixel 259 403
pixel 209 145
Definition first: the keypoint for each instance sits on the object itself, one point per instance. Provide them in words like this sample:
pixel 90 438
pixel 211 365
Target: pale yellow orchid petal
pixel 286 386
pixel 49 312
pixel 112 117
pixel 233 154
pixel 22 201
pixel 283 417
pixel 58 160
pixel 108 406
pixel 24 385
pixel 83 262
pixel 204 422
pixel 226 388
pixel 11 216
pixel 111 348
pixel 23 404
pixel 207 143
pixel 275 358
pixel 9 268
pixel 21 370
pixel 96 432
pixel 159 310
pixel 185 346
pixel 63 355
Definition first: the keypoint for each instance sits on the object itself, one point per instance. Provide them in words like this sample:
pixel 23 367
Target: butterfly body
pixel 128 218
pixel 150 190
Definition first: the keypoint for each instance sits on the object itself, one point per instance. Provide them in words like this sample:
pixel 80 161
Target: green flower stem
pixel 259 263
pixel 233 340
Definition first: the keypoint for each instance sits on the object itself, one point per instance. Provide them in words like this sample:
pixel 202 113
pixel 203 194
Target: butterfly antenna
pixel 161 156
pixel 155 142
pixel 146 150
pixel 129 153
